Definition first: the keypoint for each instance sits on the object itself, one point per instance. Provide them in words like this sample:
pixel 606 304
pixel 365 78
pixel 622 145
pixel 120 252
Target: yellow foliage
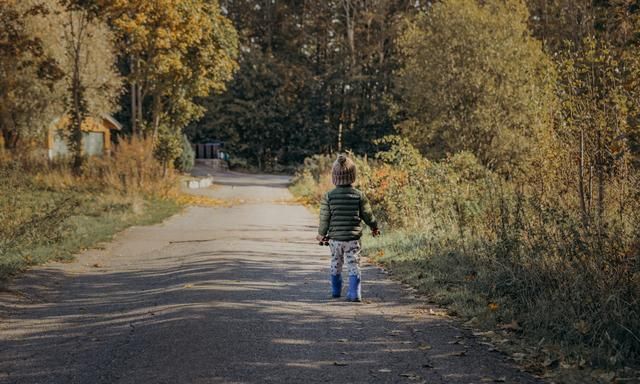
pixel 200 201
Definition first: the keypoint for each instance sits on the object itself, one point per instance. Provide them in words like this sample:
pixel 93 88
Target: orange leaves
pixel 387 180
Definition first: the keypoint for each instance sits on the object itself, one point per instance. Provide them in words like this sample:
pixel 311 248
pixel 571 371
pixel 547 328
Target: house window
pixel 93 143
pixel 60 148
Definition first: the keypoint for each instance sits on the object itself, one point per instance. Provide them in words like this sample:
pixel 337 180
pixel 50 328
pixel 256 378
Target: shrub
pixel 313 179
pixel 504 251
pixel 131 169
pixel 167 148
pixel 186 160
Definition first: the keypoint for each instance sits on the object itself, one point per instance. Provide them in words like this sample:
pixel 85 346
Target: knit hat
pixel 344 171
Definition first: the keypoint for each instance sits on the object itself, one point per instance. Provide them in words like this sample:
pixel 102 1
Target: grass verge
pixel 462 286
pixel 84 219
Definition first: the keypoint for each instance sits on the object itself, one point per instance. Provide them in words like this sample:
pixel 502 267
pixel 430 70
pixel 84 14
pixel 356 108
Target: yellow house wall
pixel 90 125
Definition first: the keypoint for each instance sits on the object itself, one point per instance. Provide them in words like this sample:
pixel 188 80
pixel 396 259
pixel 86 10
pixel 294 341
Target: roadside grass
pixel 72 220
pixel 446 278
pixel 48 213
pixel 462 286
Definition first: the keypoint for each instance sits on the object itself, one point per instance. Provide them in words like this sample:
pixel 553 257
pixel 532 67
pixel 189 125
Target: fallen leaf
pixel 518 356
pixel 472 322
pixel 512 326
pixel 424 347
pixel 501 379
pixel 484 334
pixel 384 370
pixel 437 312
pixel 188 285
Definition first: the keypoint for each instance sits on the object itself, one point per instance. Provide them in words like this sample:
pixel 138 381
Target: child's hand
pixel 320 238
pixel 375 232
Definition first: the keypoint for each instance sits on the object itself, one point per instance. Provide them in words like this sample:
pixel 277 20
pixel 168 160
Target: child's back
pixel 341 214
pixel 342 211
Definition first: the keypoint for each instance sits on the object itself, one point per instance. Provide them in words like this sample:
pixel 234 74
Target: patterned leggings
pixel 341 250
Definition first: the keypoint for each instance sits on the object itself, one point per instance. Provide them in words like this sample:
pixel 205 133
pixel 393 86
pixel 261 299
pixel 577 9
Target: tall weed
pixel 48 212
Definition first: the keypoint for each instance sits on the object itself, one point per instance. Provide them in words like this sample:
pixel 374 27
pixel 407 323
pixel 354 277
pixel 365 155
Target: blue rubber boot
pixel 336 285
pixel 354 293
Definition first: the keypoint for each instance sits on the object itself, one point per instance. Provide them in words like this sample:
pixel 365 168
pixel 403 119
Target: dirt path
pixel 227 295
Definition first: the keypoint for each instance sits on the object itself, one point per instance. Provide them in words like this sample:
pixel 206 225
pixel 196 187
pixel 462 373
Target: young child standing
pixel 341 214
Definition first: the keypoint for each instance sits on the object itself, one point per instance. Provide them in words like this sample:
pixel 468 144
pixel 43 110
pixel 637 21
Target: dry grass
pixel 498 252
pixel 47 212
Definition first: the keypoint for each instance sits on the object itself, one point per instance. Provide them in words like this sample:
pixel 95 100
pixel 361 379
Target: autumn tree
pixel 176 51
pixel 474 79
pixel 28 74
pixel 82 45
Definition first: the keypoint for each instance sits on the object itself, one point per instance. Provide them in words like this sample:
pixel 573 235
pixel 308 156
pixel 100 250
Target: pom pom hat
pixel 344 171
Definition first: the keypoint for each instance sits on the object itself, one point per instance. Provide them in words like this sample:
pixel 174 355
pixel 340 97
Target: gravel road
pixel 227 295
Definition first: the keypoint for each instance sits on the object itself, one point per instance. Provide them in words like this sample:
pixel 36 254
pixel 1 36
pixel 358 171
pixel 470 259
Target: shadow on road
pixel 235 302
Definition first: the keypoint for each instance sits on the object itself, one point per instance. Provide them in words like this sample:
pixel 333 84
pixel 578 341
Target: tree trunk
pixel 134 103
pixel 583 206
pixel 600 175
pixel 139 98
pixel 349 17
pixel 10 134
pixel 77 120
pixel 157 111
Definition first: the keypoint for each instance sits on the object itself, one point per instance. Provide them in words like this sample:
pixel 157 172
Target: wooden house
pixel 96 136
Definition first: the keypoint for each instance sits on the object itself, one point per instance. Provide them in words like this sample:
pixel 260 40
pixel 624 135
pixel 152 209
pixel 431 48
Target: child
pixel 341 213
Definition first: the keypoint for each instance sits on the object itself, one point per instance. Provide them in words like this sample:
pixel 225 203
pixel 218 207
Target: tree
pixel 28 74
pixel 187 158
pixel 258 117
pixel 167 148
pixel 474 79
pixel 594 124
pixel 88 62
pixel 177 51
pixel 335 59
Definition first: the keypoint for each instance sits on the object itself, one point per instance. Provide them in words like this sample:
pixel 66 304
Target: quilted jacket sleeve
pixel 366 213
pixel 325 216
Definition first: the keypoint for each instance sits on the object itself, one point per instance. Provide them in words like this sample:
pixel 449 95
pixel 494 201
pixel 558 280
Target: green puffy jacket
pixel 341 213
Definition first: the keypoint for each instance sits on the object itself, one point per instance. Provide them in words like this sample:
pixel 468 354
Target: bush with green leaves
pixel 187 158
pixel 474 79
pixel 167 148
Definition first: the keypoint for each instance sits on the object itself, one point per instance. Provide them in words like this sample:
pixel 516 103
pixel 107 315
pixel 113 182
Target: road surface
pixel 227 295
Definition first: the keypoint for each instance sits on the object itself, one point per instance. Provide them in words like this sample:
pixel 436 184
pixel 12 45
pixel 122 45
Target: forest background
pixel 498 140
